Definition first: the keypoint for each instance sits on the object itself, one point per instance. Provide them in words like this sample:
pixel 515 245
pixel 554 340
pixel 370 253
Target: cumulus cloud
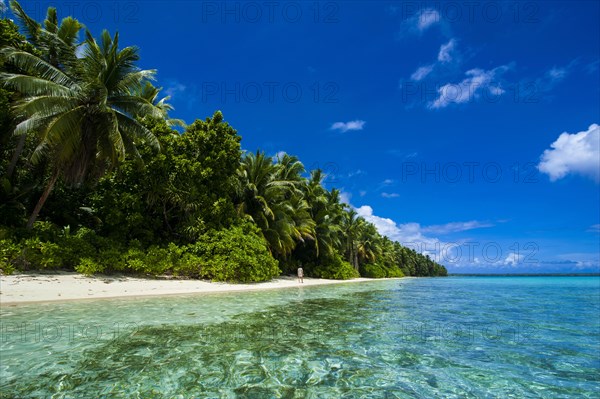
pixel 446 50
pixel 577 153
pixel 477 83
pixel 421 72
pixel 347 126
pixel 408 234
pixel 513 259
pixel 455 227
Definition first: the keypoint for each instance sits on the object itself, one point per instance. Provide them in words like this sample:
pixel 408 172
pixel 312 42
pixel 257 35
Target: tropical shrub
pixel 238 253
pixel 375 270
pixel 89 266
pixel 9 251
pixel 335 268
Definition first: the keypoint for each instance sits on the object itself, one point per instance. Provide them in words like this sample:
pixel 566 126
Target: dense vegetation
pixel 94 178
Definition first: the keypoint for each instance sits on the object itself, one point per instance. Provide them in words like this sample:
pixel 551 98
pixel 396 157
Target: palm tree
pixel 368 244
pixel 326 211
pixel 85 114
pixel 352 226
pixel 150 93
pixel 270 195
pixel 54 43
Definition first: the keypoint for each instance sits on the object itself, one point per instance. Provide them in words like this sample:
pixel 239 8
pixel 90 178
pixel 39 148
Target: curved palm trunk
pixel 16 155
pixel 42 200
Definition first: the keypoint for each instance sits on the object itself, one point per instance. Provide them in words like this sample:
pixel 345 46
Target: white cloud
pixel 595 228
pixel 455 227
pixel 421 72
pixel 408 234
pixel 387 182
pixel 345 197
pixel 420 22
pixel 390 195
pixel 577 153
pixel 80 50
pixel 357 172
pixel 556 74
pixel 362 193
pixel 174 88
pixel 346 126
pixel 513 259
pixel 445 54
pixel 279 155
pixel 478 82
pixel 426 18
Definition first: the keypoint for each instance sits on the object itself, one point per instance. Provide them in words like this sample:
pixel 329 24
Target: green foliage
pixel 375 270
pixel 89 267
pixel 9 251
pixel 238 253
pixel 180 193
pixel 335 268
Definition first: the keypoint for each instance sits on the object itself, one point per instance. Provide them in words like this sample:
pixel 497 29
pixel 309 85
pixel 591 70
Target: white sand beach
pixel 28 288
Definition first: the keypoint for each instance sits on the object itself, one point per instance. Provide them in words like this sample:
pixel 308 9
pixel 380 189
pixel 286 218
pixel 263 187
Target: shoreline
pixel 23 289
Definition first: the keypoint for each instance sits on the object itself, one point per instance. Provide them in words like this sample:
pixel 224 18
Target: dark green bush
pixel 335 268
pixel 375 270
pixel 394 272
pixel 238 253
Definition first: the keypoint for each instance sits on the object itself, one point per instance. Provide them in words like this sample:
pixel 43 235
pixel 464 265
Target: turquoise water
pixel 456 337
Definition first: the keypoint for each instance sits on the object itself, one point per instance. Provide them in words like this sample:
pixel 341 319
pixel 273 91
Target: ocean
pixel 454 337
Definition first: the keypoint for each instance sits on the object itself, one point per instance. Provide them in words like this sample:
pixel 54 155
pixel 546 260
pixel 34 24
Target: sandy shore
pixel 28 288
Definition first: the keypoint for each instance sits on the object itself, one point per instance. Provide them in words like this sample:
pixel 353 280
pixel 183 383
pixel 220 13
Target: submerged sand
pixel 28 288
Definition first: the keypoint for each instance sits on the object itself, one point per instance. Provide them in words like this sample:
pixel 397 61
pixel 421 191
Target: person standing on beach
pixel 300 275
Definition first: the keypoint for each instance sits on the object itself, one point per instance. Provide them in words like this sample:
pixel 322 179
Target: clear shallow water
pixel 456 337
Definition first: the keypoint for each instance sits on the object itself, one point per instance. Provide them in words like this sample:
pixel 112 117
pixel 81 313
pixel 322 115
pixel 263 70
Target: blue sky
pixel 467 130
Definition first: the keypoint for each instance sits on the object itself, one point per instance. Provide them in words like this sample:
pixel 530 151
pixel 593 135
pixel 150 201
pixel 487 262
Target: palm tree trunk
pixel 16 155
pixel 42 200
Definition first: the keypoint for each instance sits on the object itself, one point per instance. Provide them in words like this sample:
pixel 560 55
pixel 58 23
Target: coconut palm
pixel 326 211
pixel 352 226
pixel 85 115
pixel 151 94
pixel 270 195
pixel 54 43
pixel 368 244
